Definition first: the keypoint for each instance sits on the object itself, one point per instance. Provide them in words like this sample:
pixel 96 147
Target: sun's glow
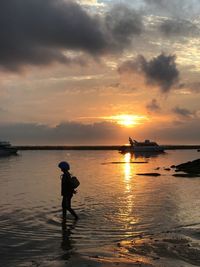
pixel 128 120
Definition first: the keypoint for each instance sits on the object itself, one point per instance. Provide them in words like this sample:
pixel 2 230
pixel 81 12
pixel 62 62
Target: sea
pixel 124 218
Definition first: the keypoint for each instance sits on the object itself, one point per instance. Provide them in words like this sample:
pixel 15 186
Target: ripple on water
pixel 113 205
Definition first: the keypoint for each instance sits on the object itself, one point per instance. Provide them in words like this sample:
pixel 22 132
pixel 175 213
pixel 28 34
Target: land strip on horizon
pixel 98 147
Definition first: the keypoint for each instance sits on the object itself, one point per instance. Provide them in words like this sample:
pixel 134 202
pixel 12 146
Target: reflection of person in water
pixel 67 189
pixel 66 244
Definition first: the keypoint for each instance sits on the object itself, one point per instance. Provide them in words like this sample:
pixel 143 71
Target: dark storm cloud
pixel 122 23
pixel 193 87
pixel 153 106
pixel 37 32
pixel 180 133
pixel 64 133
pixel 161 70
pixel 178 28
pixel 174 8
pixel 183 112
pixel 167 5
pixel 71 133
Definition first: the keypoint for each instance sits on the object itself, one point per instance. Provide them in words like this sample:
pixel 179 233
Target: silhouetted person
pixel 131 141
pixel 67 189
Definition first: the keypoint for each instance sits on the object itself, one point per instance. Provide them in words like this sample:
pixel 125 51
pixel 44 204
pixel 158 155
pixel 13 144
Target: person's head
pixel 64 166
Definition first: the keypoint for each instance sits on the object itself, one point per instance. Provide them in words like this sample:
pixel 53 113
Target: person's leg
pixel 70 209
pixel 64 206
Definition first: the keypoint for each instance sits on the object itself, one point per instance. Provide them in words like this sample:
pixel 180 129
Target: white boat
pixel 6 149
pixel 146 146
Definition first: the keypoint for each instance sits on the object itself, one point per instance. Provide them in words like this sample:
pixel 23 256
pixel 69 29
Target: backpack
pixel 75 182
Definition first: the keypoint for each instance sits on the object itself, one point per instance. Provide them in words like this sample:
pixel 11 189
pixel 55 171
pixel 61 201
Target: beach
pixel 125 219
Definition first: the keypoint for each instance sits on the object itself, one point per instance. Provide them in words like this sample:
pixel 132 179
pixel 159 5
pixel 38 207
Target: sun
pixel 128 120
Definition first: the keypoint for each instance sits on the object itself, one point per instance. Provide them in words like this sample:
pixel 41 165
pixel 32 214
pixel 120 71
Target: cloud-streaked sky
pixel 69 69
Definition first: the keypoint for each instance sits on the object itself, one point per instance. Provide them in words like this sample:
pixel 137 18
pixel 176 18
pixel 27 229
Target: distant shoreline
pixel 117 147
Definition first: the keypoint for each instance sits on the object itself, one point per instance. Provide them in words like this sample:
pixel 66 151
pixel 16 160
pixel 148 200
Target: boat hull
pixel 148 149
pixel 8 152
pixel 141 149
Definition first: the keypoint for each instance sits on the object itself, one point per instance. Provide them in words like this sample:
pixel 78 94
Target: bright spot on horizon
pixel 128 120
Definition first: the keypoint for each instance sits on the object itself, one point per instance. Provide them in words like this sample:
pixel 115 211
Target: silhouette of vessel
pixel 146 146
pixel 6 149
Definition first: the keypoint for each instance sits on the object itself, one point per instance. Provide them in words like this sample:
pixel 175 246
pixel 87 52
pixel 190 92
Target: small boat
pixel 146 146
pixel 6 149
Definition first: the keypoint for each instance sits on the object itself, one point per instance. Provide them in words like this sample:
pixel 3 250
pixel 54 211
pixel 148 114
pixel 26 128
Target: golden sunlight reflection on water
pixel 127 167
pixel 129 186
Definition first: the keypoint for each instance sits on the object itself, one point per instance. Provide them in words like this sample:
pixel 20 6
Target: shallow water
pixel 115 206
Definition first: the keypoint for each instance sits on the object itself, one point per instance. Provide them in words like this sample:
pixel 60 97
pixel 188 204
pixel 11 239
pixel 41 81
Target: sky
pixel 98 71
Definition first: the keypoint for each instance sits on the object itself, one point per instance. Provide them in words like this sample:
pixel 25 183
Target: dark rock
pixel 186 175
pixel 167 169
pixel 149 174
pixel 173 166
pixel 189 167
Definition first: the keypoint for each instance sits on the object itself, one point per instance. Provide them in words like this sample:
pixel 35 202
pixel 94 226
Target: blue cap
pixel 63 165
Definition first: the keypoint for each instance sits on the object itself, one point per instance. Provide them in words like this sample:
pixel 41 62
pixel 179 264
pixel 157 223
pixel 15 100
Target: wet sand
pixel 167 249
pixel 178 247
